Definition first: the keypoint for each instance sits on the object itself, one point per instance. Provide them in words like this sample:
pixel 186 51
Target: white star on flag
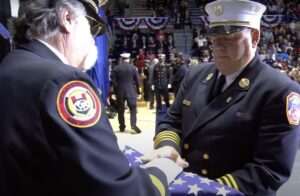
pixel 178 181
pixel 128 151
pixel 205 181
pixel 222 191
pixel 138 160
pixel 189 174
pixel 194 189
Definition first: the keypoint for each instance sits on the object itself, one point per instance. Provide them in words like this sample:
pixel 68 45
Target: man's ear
pixel 66 21
pixel 255 34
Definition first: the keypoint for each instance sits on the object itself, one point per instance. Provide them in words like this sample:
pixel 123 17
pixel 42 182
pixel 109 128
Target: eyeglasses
pixel 96 26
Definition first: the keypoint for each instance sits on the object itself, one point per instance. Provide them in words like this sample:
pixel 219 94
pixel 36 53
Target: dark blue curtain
pixel 100 72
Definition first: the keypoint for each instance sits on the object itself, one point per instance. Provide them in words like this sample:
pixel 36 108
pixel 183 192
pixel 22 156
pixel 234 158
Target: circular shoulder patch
pixel 293 108
pixel 78 104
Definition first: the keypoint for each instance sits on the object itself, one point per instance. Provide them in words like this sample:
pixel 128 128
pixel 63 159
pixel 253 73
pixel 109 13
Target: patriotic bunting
pixel 128 24
pixel 154 23
pixel 157 23
pixel 271 20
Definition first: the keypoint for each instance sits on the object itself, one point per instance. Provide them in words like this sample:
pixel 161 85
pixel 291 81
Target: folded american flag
pixel 186 183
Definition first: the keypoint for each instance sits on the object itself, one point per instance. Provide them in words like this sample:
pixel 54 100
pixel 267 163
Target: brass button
pixel 205 156
pixel 204 171
pixel 186 146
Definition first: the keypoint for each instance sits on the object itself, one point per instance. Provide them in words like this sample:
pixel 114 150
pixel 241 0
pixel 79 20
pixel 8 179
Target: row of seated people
pixel 177 10
pixel 151 42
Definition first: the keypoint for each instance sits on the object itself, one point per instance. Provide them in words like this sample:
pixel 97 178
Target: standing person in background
pixel 126 80
pixel 151 93
pixel 161 82
pixel 179 72
pixel 55 136
pixel 236 120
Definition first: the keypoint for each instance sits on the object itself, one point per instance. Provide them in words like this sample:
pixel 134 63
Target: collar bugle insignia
pixel 78 105
pixel 209 76
pixel 293 108
pixel 228 99
pixel 218 9
pixel 186 102
pixel 244 83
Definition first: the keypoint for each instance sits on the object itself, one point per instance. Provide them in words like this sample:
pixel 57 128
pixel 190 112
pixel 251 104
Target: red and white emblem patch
pixel 293 108
pixel 78 104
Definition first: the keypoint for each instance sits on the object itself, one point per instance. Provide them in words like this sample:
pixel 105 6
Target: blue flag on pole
pixel 4 32
pixel 100 72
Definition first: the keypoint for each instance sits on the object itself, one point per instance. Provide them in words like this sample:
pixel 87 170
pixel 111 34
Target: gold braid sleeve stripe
pixel 167 135
pixel 226 181
pixel 219 181
pixel 233 182
pixel 164 138
pixel 158 184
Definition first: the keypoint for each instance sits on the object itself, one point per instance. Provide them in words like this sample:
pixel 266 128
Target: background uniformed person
pixel 55 137
pixel 151 89
pixel 161 82
pixel 244 136
pixel 126 81
pixel 179 72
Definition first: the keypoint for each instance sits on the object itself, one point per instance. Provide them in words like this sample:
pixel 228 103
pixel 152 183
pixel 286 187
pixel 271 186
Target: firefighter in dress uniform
pixel 126 81
pixel 161 82
pixel 235 120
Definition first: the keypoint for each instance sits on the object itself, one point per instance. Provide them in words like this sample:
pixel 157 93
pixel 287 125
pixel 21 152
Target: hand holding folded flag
pixel 186 183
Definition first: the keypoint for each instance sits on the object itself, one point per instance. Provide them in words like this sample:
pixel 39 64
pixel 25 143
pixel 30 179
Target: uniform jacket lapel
pixel 207 111
pixel 203 91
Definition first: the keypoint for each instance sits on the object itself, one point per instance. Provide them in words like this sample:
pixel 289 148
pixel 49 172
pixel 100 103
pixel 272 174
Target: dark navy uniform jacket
pixel 246 138
pixel 178 76
pixel 162 76
pixel 55 137
pixel 125 78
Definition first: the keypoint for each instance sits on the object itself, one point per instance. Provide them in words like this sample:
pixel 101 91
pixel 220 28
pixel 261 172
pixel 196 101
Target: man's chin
pixel 90 59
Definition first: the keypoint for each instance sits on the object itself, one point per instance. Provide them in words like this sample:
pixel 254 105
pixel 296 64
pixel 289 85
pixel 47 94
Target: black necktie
pixel 217 90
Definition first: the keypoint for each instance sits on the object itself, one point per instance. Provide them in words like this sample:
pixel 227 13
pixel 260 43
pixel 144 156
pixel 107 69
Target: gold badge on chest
pixel 244 83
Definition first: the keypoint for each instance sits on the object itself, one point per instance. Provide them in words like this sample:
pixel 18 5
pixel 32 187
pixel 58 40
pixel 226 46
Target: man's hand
pixel 169 85
pixel 166 152
pixel 113 96
pixel 152 87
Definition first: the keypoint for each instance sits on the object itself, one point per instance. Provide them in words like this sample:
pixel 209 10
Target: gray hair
pixel 41 18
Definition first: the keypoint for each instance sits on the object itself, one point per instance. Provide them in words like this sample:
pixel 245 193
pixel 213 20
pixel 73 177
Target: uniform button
pixel 186 146
pixel 205 156
pixel 204 171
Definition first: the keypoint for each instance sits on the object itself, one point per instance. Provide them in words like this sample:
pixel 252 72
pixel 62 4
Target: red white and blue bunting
pixel 157 23
pixel 154 23
pixel 271 20
pixel 128 24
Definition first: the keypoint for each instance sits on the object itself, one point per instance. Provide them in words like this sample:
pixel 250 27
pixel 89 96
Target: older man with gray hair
pixel 235 120
pixel 55 136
